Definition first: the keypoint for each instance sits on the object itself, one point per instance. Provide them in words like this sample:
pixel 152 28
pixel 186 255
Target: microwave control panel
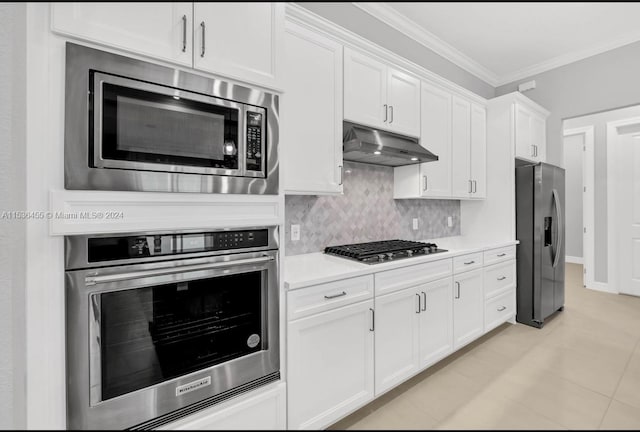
pixel 255 140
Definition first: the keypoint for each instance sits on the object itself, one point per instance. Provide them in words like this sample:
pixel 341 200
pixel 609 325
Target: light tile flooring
pixel 581 371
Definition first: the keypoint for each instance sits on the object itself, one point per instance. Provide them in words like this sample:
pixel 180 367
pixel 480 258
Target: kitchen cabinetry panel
pixel 478 149
pixel 539 137
pixel 397 329
pixel 460 154
pixel 530 134
pixel 468 307
pixel 436 137
pixel 403 99
pixel 312 135
pixel 365 89
pixel 330 365
pixel 500 309
pixel 159 30
pixel 239 40
pixel 436 321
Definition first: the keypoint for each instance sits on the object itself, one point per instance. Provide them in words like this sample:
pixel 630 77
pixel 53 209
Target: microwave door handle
pixel 119 277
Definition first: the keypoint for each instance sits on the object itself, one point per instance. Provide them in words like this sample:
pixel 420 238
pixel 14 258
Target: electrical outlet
pixel 295 232
pixel 449 221
pixel 415 223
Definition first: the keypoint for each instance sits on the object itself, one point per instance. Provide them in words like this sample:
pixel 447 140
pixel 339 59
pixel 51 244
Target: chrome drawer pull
pixel 502 254
pixel 502 278
pixel 343 293
pixel 469 263
pixel 501 308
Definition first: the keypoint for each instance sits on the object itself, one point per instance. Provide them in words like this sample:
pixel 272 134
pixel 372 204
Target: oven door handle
pixel 119 277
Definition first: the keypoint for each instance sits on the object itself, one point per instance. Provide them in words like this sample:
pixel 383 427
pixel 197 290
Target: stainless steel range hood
pixel 373 146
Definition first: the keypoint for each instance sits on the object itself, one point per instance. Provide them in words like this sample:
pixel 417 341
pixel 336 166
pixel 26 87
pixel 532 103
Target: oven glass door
pixel 144 126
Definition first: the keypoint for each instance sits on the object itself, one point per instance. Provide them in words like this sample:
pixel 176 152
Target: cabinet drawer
pixel 499 278
pixel 319 298
pixel 404 277
pixel 467 262
pixel 500 254
pixel 499 309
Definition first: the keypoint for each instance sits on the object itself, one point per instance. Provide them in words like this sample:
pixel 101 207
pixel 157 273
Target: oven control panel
pixel 115 248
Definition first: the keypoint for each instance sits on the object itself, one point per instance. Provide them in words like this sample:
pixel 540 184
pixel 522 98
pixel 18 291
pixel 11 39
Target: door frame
pixel 588 209
pixel 612 138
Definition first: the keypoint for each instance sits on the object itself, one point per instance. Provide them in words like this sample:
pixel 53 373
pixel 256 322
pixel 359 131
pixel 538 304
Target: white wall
pixel 599 122
pixel 356 20
pixel 12 232
pixel 573 152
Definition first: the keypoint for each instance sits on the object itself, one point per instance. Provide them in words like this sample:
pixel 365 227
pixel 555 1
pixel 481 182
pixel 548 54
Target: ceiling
pixel 504 42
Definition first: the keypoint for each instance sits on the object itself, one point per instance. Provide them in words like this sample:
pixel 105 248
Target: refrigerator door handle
pixel 560 224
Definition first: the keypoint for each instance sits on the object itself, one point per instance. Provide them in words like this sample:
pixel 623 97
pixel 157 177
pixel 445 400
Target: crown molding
pixel 401 23
pixel 568 58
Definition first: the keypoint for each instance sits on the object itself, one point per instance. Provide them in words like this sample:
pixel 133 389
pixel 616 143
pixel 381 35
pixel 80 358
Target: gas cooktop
pixel 383 251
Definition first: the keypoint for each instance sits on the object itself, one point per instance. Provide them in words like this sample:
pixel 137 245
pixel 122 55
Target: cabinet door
pixel 397 327
pixel 159 30
pixel 239 40
pixel 523 132
pixel 435 136
pixel 460 146
pixel 403 99
pixel 479 151
pixel 468 307
pixel 436 321
pixel 330 365
pixel 312 112
pixel 539 137
pixel 365 90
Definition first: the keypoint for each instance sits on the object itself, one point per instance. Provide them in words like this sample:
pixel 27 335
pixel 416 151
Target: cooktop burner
pixel 382 251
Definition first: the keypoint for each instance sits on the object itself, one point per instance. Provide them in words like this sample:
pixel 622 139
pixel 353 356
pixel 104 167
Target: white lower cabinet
pixel 468 307
pixel 397 328
pixel 263 409
pixel 436 321
pixel 330 365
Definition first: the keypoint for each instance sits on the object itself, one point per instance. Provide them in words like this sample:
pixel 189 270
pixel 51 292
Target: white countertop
pixel 315 268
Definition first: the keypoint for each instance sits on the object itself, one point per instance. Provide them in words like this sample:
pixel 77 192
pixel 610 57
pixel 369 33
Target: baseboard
pixel 574 260
pixel 602 286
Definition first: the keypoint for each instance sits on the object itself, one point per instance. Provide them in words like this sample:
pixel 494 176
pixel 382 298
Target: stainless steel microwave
pixel 132 125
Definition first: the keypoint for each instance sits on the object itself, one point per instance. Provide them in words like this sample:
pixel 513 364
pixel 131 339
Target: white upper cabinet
pixel 242 41
pixel 479 151
pixel 365 89
pixel 159 30
pixel 239 40
pixel 380 96
pixel 530 134
pixel 311 136
pixel 460 148
pixel 403 99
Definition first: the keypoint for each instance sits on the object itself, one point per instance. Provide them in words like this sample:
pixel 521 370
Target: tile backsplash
pixel 365 212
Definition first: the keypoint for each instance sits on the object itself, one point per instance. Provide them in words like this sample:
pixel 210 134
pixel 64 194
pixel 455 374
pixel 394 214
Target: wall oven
pixel 137 126
pixel 162 324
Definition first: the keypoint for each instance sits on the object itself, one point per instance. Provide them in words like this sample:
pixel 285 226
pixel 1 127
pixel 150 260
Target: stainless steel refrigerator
pixel 540 223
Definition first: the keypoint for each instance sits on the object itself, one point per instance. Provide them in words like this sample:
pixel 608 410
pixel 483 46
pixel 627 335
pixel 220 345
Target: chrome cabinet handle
pixel 419 303
pixel 386 113
pixel 469 263
pixel 202 25
pixel 536 151
pixel 470 186
pixel 424 303
pixel 391 114
pixel 502 278
pixel 341 179
pixel 373 320
pixel 533 151
pixel 328 297
pixel 475 186
pixel 184 33
pixel 458 295
pixel 501 308
pixel 424 183
pixel 502 254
